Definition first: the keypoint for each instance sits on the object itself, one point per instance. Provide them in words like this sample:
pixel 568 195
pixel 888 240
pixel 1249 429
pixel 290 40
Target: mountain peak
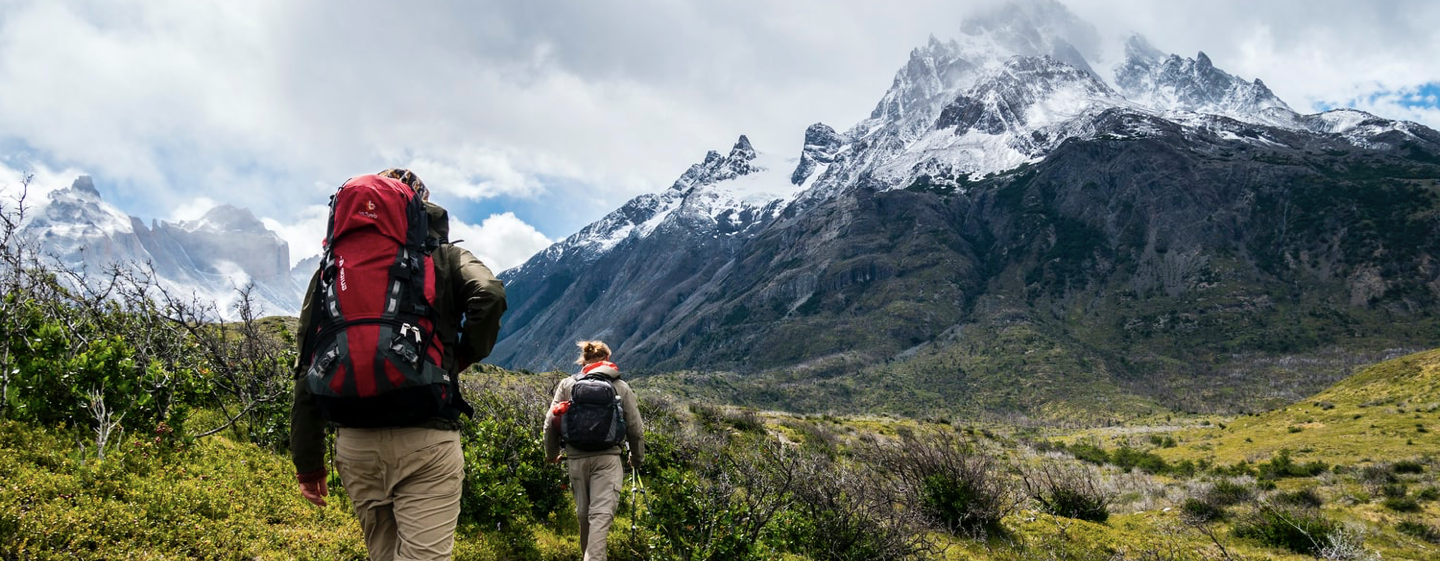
pixel 1202 62
pixel 86 185
pixel 1139 48
pixel 1174 83
pixel 821 145
pixel 227 217
pixel 719 168
pixel 742 150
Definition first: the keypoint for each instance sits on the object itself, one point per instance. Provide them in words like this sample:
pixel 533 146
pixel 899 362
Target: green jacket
pixel 464 288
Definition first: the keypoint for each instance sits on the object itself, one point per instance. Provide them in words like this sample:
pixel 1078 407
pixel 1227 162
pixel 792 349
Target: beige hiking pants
pixel 596 482
pixel 405 484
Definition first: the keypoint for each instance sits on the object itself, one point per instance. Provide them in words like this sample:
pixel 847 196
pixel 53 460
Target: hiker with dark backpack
pixel 393 315
pixel 594 415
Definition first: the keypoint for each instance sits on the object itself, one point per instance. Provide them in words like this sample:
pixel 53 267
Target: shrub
pixel 1394 490
pixel 1347 544
pixel 1401 504
pixel 1226 492
pixel 845 512
pixel 1428 494
pixel 1419 530
pixel 1199 510
pixel 963 491
pixel 723 508
pixel 746 420
pixel 1089 453
pixel 1238 469
pixel 1282 466
pixel 1298 530
pixel 1128 458
pixel 1073 492
pixel 1378 474
pixel 1407 466
pixel 509 485
pixel 1304 498
pixel 709 416
pixel 215 498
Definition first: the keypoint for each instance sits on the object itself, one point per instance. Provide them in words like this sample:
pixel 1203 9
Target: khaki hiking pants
pixel 405 484
pixel 596 482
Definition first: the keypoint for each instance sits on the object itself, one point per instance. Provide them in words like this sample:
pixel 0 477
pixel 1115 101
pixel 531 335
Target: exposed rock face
pixel 1026 94
pixel 822 144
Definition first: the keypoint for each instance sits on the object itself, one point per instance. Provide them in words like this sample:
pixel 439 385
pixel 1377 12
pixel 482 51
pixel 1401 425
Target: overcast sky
pixel 530 119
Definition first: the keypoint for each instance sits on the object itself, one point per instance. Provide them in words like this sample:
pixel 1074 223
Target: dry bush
pixel 960 489
pixel 1072 491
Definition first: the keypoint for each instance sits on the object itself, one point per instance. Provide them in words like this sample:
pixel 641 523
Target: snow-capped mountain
pixel 1023 159
pixel 1014 85
pixel 726 195
pixel 208 259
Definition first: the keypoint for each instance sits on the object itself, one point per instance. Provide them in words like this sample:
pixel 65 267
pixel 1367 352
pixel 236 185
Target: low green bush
pixel 1299 530
pixel 1128 458
pixel 509 485
pixel 1089 453
pixel 1238 469
pixel 1394 490
pixel 1401 504
pixel 1419 530
pixel 1378 474
pixel 215 498
pixel 1407 466
pixel 1226 492
pixel 1304 498
pixel 1200 510
pixel 1282 466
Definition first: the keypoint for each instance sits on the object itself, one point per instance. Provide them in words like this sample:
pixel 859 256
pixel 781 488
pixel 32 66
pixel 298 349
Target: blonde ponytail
pixel 592 351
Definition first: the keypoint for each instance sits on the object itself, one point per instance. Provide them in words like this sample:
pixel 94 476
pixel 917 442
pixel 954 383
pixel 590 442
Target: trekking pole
pixel 638 484
pixel 634 506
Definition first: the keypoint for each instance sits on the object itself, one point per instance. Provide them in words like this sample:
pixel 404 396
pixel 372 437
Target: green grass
pixel 213 498
pixel 1375 415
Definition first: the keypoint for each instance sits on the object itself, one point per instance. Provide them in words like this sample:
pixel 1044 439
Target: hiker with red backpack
pixel 594 415
pixel 393 315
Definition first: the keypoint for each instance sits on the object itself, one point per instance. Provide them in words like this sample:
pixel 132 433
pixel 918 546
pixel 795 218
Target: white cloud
pixel 475 173
pixel 270 104
pixel 42 181
pixel 193 210
pixel 502 241
pixel 306 234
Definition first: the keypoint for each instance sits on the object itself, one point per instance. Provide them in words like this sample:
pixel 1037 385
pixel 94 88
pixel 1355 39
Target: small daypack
pixel 595 419
pixel 373 356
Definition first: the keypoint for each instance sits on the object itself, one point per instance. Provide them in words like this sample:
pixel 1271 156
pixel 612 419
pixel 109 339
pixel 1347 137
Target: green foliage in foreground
pixel 152 500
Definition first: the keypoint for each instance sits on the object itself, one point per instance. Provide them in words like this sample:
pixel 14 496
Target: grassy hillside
pixel 1388 411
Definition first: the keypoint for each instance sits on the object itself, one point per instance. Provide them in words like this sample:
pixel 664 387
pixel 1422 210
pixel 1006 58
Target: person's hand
pixel 556 459
pixel 315 492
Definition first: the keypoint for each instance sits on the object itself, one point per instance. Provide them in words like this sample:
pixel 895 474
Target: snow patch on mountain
pixel 727 193
pixel 206 259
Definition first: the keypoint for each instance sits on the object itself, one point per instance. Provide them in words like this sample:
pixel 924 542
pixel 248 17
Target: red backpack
pixel 373 354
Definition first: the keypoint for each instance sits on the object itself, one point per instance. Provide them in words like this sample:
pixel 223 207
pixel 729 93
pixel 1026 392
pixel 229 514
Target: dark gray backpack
pixel 596 419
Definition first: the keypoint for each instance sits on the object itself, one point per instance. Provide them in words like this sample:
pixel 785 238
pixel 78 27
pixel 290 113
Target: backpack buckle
pixel 406 328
